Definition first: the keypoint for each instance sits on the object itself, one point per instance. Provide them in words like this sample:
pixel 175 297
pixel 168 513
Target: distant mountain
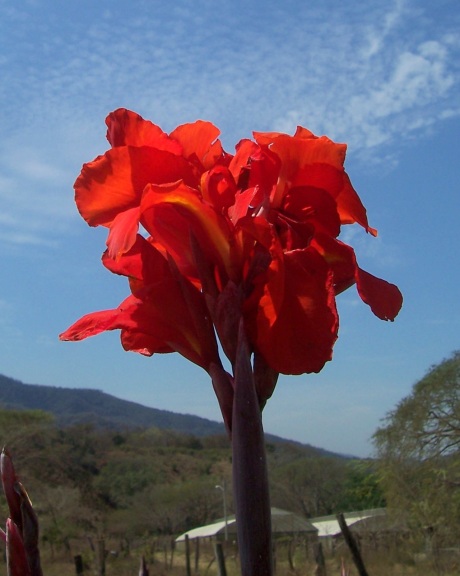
pixel 73 406
pixel 80 405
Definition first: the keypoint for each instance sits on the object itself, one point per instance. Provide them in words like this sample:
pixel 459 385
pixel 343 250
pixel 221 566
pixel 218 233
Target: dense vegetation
pixel 87 482
pixel 134 488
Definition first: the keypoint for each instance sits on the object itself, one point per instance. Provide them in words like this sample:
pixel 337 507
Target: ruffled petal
pixel 243 202
pixel 305 133
pixel 244 150
pixel 264 173
pixel 115 181
pixel 97 322
pixel 199 142
pixel 172 214
pixel 172 304
pixel 142 343
pixel 335 182
pixel 385 299
pixel 308 160
pixel 350 207
pixel 296 154
pixel 305 328
pixel 126 128
pixel 340 258
pixel 147 327
pixel 264 261
pixel 123 232
pixel 218 188
pixel 313 205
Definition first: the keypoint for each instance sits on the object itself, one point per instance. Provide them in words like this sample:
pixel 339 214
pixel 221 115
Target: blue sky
pixel 384 79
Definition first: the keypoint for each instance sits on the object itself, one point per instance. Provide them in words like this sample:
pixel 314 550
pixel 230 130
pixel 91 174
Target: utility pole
pixel 224 496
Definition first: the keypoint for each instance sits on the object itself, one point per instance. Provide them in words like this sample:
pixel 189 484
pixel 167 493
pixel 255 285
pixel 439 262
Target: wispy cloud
pixel 394 81
pixel 370 78
pixel 35 211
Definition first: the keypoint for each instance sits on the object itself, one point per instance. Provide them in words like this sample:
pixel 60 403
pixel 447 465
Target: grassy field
pixel 161 562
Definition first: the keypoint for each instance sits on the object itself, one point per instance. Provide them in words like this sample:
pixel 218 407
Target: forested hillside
pixel 92 482
pixel 75 406
pixel 137 488
pixel 72 406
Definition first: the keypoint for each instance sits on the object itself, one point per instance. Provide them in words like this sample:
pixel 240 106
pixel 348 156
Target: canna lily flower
pixel 241 247
pixel 265 221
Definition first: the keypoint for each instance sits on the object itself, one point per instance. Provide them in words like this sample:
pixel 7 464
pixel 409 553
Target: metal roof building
pixel 328 526
pixel 283 522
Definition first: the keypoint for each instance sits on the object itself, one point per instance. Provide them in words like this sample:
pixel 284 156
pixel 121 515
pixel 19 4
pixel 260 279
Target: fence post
pixel 188 570
pixel 78 564
pixel 222 571
pixel 173 547
pixel 101 556
pixel 197 555
pixel 143 570
pixel 351 542
pixel 320 569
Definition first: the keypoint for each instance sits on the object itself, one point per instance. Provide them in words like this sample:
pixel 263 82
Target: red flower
pixel 255 233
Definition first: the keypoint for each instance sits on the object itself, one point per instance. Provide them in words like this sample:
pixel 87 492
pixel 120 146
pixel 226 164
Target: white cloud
pixel 370 78
pixel 376 32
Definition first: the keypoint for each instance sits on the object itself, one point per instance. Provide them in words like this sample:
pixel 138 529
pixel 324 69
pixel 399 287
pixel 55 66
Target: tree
pixel 362 489
pixel 174 508
pixel 419 452
pixel 309 486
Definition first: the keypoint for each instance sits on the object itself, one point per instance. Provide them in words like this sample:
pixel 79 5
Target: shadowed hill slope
pixel 71 406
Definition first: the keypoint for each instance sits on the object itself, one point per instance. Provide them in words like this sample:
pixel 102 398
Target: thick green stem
pixel 250 477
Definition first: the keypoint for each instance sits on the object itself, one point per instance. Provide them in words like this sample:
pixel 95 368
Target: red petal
pixel 351 208
pixel 97 322
pixel 312 205
pixel 305 329
pixel 199 141
pixel 244 149
pixel 336 182
pixel 340 258
pixel 384 298
pixel 165 313
pixel 265 273
pixel 267 138
pixel 16 557
pixel 114 182
pixel 243 203
pixel 218 188
pixel 171 214
pixel 131 264
pixel 126 128
pixel 255 167
pixel 298 153
pixel 123 232
pixel 302 132
pixel 163 324
pixel 9 479
pixel 321 175
pixel 145 344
